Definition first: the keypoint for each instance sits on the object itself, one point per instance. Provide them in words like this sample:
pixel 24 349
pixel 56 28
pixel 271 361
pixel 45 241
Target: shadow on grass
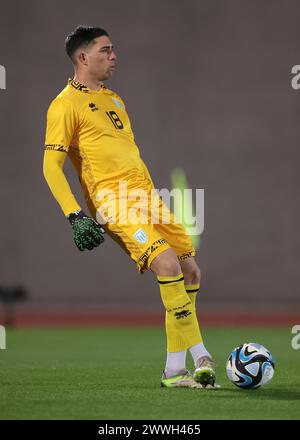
pixel 267 394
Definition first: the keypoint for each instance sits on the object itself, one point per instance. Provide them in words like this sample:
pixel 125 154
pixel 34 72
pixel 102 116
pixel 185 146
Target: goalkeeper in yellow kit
pixel 89 123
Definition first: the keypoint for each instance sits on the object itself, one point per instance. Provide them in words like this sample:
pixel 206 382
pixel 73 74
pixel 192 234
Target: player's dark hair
pixel 82 36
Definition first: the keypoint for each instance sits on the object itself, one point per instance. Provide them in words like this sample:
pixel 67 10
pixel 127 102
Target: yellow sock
pixel 192 290
pixel 182 326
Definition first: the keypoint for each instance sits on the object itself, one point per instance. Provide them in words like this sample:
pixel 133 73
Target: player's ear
pixel 82 58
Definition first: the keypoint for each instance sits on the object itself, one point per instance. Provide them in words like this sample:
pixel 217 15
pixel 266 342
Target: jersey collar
pixel 82 88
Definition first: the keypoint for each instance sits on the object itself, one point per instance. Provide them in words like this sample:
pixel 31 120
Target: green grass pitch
pixel 114 373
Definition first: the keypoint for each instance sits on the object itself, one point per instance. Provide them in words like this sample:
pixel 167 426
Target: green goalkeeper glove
pixel 87 233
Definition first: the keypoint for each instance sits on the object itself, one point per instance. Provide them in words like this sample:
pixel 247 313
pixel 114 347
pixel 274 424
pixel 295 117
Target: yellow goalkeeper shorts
pixel 152 231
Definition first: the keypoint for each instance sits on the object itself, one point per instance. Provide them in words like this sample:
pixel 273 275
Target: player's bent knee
pixel 166 264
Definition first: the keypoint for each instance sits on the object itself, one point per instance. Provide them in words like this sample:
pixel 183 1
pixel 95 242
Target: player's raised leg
pixel 182 327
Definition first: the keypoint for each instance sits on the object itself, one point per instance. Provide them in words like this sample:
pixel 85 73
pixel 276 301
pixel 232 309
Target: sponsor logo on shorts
pixel 141 236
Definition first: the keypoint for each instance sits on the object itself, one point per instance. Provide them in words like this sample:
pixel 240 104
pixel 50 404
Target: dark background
pixel 207 85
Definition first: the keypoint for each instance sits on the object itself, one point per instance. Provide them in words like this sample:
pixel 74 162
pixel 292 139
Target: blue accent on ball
pixel 266 365
pixel 247 380
pixel 244 357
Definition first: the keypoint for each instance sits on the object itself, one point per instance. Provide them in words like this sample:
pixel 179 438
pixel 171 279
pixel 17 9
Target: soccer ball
pixel 250 366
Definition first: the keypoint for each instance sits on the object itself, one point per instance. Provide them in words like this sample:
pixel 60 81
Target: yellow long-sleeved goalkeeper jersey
pixel 93 127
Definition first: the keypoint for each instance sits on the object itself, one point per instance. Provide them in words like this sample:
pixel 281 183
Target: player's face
pixel 101 58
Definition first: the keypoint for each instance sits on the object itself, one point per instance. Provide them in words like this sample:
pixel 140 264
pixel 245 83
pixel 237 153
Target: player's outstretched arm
pixel 87 233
